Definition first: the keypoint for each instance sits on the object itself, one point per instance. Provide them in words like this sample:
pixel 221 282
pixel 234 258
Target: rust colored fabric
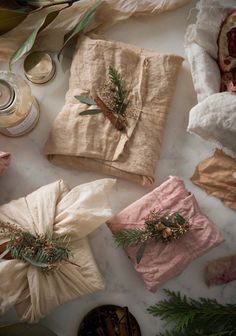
pixel 217 176
pixel 5 159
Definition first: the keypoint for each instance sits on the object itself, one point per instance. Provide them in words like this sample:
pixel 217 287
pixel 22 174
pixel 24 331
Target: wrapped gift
pixel 53 211
pixel 161 260
pixel 93 142
pixel 217 176
pixel 214 117
pixel 221 271
pixel 4 161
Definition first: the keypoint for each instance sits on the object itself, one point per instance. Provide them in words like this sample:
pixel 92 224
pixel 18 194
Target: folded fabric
pixel 213 118
pixel 56 210
pixel 91 142
pixel 221 271
pixel 162 261
pixel 217 176
pixel 5 159
pixel 108 13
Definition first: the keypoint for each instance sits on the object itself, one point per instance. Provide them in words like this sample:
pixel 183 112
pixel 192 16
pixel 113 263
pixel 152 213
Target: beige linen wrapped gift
pixel 91 142
pixel 57 210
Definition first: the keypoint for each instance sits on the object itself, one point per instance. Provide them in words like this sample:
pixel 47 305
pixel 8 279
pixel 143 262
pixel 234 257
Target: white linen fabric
pixel 213 118
pixel 59 211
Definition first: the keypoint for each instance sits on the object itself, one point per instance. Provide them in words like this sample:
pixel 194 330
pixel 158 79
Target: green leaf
pixel 9 19
pixel 29 42
pixel 140 252
pixel 35 263
pixel 25 329
pixel 86 18
pixel 86 100
pixel 91 112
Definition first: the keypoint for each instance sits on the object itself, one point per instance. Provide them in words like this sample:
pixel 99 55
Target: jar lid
pixel 7 94
pixel 39 67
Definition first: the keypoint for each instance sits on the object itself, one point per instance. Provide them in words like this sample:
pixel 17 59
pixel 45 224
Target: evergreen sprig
pixel 42 251
pixel 120 93
pixel 191 317
pixel 157 226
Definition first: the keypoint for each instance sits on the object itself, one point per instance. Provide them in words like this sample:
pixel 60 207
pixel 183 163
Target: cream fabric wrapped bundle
pixel 57 210
pixel 214 117
pixel 92 142
pixel 109 12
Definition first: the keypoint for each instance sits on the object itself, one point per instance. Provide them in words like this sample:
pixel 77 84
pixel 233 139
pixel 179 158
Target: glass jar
pixel 19 111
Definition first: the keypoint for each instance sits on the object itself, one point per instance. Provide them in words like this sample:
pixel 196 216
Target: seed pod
pixel 167 232
pixel 160 227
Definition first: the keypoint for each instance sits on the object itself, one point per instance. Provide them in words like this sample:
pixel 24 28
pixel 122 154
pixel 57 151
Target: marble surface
pixel 180 153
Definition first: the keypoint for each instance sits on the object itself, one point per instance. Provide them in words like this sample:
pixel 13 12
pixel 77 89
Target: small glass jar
pixel 19 111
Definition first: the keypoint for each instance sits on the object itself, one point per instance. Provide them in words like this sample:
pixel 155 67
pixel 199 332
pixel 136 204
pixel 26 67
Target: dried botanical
pixel 42 251
pixel 158 227
pixel 111 100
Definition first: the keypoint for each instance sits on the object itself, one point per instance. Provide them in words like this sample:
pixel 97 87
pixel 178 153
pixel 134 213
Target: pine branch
pixel 120 93
pixel 129 237
pixel 157 227
pixel 188 316
pixel 42 251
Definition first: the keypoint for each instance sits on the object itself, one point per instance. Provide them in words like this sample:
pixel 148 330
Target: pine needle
pixel 192 317
pixel 120 93
pixel 42 251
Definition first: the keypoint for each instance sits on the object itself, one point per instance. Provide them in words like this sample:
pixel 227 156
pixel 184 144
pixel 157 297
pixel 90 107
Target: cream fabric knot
pixel 57 210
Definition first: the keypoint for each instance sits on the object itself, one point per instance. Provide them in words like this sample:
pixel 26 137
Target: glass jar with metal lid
pixel 19 111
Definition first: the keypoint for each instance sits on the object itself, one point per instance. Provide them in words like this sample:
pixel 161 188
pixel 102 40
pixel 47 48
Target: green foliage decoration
pixel 43 251
pixel 195 317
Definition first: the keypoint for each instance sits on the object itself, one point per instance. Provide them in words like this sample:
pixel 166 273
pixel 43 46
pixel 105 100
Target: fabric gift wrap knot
pixel 162 261
pixel 207 43
pixel 54 210
pixel 4 161
pixel 91 141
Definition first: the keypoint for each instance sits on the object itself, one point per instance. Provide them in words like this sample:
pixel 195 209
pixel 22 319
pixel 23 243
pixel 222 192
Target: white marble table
pixel 180 154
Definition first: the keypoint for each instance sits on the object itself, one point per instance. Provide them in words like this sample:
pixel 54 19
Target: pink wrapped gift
pixel 163 261
pixel 4 161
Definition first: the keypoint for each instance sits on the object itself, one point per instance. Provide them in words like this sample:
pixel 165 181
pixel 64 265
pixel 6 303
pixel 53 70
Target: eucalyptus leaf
pixel 83 22
pixel 86 100
pixel 91 112
pixel 25 329
pixel 9 19
pixel 35 263
pixel 140 252
pixel 29 42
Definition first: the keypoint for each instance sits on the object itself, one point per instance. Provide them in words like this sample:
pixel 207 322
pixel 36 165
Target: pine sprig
pixel 43 251
pixel 120 93
pixel 157 227
pixel 129 237
pixel 192 317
